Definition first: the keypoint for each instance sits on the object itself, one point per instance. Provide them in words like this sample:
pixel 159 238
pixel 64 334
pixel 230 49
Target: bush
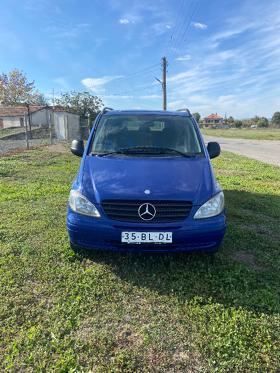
pixel 262 122
pixel 238 123
pixel 276 119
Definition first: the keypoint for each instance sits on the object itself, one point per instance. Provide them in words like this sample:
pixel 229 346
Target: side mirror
pixel 77 147
pixel 214 149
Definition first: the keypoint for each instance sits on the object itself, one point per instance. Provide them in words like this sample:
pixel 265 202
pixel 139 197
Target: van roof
pixel 147 112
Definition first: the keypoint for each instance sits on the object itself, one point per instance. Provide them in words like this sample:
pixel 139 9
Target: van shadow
pixel 244 273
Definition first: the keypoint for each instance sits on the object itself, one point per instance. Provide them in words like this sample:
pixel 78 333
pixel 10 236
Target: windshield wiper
pixel 147 150
pixel 119 151
pixel 159 150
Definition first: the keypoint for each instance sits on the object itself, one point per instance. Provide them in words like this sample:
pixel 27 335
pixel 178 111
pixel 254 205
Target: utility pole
pixel 164 67
pixel 163 82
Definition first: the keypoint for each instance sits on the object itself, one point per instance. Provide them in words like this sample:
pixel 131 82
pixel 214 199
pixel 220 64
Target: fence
pixel 51 128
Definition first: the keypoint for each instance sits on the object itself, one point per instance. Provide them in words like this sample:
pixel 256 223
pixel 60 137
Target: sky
pixel 223 55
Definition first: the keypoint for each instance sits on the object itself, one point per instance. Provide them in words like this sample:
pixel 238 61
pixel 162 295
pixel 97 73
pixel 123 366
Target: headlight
pixel 82 205
pixel 213 207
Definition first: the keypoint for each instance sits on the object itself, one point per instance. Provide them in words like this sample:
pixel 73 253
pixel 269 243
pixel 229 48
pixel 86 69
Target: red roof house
pixel 214 119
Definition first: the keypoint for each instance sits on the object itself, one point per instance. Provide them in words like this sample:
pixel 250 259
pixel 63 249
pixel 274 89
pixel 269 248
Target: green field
pixel 107 312
pixel 244 133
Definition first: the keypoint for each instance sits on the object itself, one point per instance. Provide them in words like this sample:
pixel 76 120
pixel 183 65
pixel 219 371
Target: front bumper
pixel 105 234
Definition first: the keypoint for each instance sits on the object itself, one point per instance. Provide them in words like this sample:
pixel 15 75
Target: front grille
pixel 166 211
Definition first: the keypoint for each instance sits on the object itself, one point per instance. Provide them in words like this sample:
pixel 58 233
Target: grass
pixel 105 312
pixel 244 133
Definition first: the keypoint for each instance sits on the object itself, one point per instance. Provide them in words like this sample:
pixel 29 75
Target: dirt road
pixel 262 150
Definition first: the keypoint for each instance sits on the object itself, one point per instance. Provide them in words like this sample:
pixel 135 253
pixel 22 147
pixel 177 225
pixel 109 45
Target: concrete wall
pixel 11 122
pixel 59 125
pixel 40 118
pixel 66 125
pixel 73 126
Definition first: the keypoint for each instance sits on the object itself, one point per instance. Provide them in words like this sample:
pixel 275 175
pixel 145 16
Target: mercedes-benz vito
pixel 146 183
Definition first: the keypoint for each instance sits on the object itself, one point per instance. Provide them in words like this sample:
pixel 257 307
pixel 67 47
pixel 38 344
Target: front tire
pixel 75 248
pixel 213 251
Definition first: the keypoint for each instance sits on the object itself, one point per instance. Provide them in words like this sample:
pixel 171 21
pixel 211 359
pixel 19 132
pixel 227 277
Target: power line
pixel 177 24
pixel 119 93
pixel 137 89
pixel 147 71
pixel 185 24
pixel 193 9
pixel 145 74
pixel 184 9
pixel 142 71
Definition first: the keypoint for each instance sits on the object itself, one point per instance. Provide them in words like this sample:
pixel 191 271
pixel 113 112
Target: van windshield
pixel 146 134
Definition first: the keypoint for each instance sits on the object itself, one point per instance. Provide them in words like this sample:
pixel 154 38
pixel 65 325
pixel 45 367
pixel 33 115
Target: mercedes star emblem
pixel 147 211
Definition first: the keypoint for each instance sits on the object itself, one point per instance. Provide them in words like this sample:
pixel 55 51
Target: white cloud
pixel 230 33
pixel 156 29
pixel 130 19
pixel 186 57
pixel 97 84
pixel 175 105
pixel 124 21
pixel 233 68
pixel 239 79
pixel 181 77
pixel 199 26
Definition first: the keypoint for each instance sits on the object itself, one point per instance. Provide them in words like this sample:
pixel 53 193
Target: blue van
pixel 146 183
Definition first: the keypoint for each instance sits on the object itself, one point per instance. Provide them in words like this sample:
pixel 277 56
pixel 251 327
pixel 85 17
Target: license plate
pixel 147 237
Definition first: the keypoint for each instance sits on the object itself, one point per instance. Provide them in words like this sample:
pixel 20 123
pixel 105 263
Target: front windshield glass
pixel 116 132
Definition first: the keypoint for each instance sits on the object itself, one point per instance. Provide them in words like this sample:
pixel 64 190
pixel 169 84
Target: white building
pixel 65 125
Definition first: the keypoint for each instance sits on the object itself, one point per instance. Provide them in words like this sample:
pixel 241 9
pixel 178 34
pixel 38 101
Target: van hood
pixel 167 178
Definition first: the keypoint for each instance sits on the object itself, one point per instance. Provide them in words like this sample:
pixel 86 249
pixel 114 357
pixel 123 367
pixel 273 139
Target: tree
pixel 15 89
pixel 276 119
pixel 41 99
pixel 255 120
pixel 230 120
pixel 247 122
pixel 197 117
pixel 82 103
pixel 262 122
pixel 238 123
